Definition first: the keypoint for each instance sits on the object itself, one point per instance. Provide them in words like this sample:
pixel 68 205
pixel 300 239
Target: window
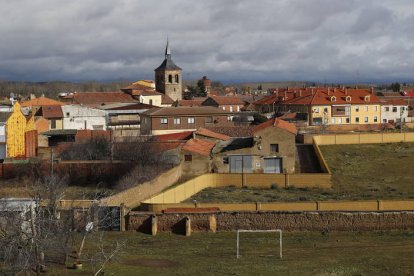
pixel 402 108
pixel 274 147
pixel 177 79
pixel 231 108
pixel 375 108
pixel 238 108
pixel 170 78
pixel 356 108
pixel 188 157
pixel 356 119
pixel 164 121
pixel 339 120
pixel 394 109
pixel 366 119
pixel 347 120
pixel 67 114
pixel 375 119
pixel 53 124
pixel 365 108
pixel 384 120
pixel 333 121
pixel 209 119
pixel 325 110
pixel 177 121
pixel 387 109
pixel 316 110
pixel 150 102
pixel 191 120
pixel 224 108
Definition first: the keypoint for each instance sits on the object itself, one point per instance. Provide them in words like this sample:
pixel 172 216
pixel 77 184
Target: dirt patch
pixel 152 263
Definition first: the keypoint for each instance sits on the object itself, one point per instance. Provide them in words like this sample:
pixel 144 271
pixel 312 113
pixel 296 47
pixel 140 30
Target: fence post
pixel 187 226
pixel 154 225
pixel 122 217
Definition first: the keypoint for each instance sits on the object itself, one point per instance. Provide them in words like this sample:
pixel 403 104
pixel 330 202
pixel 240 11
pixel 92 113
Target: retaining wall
pixel 293 221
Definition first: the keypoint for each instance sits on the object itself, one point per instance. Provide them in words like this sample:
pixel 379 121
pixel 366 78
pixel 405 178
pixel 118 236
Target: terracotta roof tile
pixel 42 101
pixel 202 147
pixel 227 100
pixel 208 133
pixel 186 135
pixel 50 112
pixel 166 99
pixel 190 102
pixel 184 110
pixel 276 123
pixel 102 98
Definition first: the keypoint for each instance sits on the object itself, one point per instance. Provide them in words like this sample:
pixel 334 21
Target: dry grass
pixel 377 171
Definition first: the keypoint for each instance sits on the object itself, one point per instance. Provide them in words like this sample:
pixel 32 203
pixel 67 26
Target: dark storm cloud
pixel 319 40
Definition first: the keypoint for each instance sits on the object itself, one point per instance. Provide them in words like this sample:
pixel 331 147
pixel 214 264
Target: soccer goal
pixel 259 231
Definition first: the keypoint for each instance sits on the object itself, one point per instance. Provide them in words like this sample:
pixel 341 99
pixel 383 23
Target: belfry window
pixel 177 79
pixel 170 78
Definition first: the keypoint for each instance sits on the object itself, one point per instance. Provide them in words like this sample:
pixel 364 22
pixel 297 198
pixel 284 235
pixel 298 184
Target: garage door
pixel 273 165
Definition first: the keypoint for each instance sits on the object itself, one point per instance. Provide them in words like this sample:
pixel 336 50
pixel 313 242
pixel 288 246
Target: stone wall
pixel 287 221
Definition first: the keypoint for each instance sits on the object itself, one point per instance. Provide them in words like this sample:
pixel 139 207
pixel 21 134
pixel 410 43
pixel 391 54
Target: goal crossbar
pixel 259 231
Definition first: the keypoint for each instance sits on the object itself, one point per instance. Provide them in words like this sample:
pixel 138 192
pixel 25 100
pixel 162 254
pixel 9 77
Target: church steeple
pixel 168 76
pixel 167 50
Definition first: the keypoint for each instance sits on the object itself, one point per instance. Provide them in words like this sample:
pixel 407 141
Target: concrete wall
pixel 181 192
pixel 360 206
pixel 77 117
pixel 133 196
pixel 287 221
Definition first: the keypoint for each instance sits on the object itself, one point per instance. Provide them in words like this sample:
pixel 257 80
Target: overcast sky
pixel 227 40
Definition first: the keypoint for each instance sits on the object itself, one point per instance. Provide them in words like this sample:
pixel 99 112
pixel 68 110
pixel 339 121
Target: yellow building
pixel 334 106
pixel 15 133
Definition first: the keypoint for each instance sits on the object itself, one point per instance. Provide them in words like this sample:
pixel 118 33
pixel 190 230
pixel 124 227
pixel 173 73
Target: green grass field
pixel 306 253
pixel 374 171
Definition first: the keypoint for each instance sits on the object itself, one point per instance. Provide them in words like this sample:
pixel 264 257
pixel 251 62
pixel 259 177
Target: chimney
pixel 372 90
pixel 313 91
pixel 285 94
pixel 346 91
pixel 300 93
pixel 277 92
pixel 329 91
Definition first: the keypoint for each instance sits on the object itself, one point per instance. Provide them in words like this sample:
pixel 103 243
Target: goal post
pixel 259 231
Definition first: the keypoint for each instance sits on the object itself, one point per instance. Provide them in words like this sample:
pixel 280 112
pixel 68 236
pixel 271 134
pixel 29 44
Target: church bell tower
pixel 168 77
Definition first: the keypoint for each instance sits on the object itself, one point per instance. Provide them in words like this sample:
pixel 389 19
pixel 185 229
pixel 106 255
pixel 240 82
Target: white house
pixel 83 117
pixel 394 111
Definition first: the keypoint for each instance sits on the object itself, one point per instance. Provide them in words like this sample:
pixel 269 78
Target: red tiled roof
pixel 166 99
pixel 409 94
pixel 42 101
pixel 227 100
pixel 185 110
pixel 393 102
pixel 202 147
pixel 102 98
pixel 50 112
pixel 276 123
pixel 208 133
pixel 190 102
pixel 186 135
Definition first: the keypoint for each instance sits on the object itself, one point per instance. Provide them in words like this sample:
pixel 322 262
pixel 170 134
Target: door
pixel 273 165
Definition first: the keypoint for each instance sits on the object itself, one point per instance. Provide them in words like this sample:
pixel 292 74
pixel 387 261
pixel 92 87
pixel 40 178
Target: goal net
pixel 259 231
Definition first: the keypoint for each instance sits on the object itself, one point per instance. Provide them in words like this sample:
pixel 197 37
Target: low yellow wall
pixel 344 206
pixel 363 138
pixel 183 191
